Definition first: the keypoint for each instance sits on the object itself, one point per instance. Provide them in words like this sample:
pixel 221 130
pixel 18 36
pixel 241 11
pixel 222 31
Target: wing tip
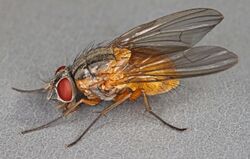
pixel 234 58
pixel 211 10
pixel 216 12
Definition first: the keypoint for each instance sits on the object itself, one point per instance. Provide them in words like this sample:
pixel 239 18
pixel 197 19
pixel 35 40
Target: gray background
pixel 38 36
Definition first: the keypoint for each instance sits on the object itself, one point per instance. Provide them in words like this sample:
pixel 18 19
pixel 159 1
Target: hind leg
pixel 149 109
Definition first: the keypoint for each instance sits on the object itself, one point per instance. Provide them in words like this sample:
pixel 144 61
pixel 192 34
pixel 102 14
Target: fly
pixel 149 59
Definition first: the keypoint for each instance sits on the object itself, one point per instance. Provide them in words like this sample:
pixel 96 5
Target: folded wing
pixel 193 62
pixel 171 33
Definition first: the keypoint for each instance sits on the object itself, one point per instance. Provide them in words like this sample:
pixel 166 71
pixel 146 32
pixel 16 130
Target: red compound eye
pixel 64 89
pixel 60 68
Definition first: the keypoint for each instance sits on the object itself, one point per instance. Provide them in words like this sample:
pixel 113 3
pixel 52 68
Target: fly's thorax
pixel 90 61
pixel 100 75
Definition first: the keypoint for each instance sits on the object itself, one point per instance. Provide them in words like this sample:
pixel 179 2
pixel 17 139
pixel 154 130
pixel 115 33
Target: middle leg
pixel 122 98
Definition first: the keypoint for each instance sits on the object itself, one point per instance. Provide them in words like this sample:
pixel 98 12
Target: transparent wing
pixel 193 62
pixel 171 33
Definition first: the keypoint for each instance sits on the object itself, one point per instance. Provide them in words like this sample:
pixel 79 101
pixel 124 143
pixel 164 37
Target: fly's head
pixel 62 87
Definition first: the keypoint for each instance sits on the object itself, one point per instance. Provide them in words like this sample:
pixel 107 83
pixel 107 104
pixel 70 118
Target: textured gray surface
pixel 35 38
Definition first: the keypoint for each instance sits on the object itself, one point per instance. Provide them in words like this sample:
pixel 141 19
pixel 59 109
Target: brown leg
pixel 69 108
pixel 107 109
pixel 149 109
pixel 42 126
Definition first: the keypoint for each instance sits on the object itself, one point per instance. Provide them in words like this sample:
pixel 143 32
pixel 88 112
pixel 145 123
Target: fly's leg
pixel 60 106
pixel 149 109
pixel 107 109
pixel 89 102
pixel 135 95
pixel 42 126
pixel 68 108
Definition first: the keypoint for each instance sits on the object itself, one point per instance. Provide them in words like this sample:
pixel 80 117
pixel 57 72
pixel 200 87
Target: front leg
pixel 42 126
pixel 46 125
pixel 68 108
pixel 73 106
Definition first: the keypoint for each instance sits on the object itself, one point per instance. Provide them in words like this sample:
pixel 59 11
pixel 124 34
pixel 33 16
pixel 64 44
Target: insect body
pixel 147 60
pixel 105 80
